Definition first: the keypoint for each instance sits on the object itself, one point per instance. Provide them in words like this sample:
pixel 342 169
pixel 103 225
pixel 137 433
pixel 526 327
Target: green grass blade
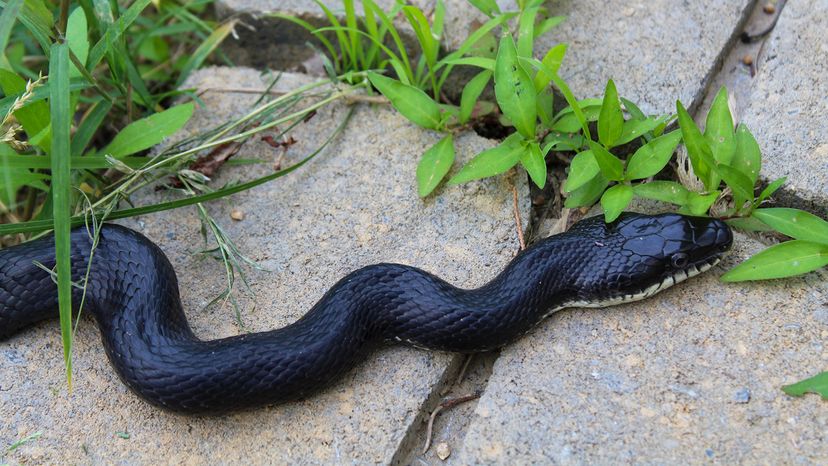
pixel 61 191
pixel 89 126
pixel 7 20
pixel 114 32
pixel 77 163
pixel 204 50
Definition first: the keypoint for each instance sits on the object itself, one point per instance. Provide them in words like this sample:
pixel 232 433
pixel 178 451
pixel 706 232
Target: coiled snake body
pixel 133 294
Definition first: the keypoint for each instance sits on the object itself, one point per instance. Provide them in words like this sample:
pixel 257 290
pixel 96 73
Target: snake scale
pixel 133 295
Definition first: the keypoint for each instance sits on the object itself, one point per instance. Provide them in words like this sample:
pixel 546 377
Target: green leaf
pixel 514 89
pixel 413 103
pixel 491 162
pixel 587 194
pixel 781 260
pixel 699 204
pixel 480 62
pixel 611 118
pixel 61 190
pixel 545 104
pixel 748 156
pixel 434 165
pixel 738 182
pixel 719 129
pixel 487 7
pixel 526 32
pixel 611 166
pixel 533 161
pixel 795 223
pixel 552 62
pixel 147 132
pixel 651 158
pixel 582 169
pixel 204 50
pixel 633 110
pixel 89 125
pixel 817 384
pixel 698 150
pixel 637 128
pixel 113 33
pixel 769 190
pixel 563 142
pixel 471 92
pixel 665 191
pixel 615 200
pixel 34 117
pixel 78 38
pixel 428 43
pixel 7 20
pixel 548 24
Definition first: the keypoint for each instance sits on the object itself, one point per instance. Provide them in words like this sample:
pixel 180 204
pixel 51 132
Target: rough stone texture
pixel 354 205
pixel 662 381
pixel 788 105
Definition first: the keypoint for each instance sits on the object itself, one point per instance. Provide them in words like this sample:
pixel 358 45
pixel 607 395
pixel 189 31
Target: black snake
pixel 133 294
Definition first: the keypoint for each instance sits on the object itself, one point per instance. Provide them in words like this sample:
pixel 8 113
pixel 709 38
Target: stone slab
pixel 690 376
pixel 788 105
pixel 354 205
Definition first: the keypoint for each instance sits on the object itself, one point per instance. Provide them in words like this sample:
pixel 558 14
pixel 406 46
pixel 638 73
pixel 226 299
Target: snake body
pixel 133 294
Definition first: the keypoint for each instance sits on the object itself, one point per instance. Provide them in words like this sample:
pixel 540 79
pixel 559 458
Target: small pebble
pixel 237 215
pixel 443 451
pixel 769 8
pixel 747 60
pixel 742 396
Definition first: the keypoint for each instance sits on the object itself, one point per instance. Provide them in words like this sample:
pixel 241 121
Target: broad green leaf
pixel 781 260
pixel 563 142
pixel 526 32
pixel 633 110
pixel 434 165
pixel 611 118
pixel 514 89
pixel 552 62
pixel 738 182
pixel 78 38
pixel 534 163
pixel 615 200
pixel 413 103
pixel 491 162
pixel 748 156
pixel 587 194
pixel 795 223
pixel 719 129
pixel 61 191
pixel 817 384
pixel 652 157
pixel 637 128
pixel 582 169
pixel 611 166
pixel 699 204
pixel 698 150
pixel 665 191
pixel 147 132
pixel 769 190
pixel 471 92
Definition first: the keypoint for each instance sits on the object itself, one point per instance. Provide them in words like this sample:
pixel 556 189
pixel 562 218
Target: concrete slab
pixel 690 376
pixel 788 105
pixel 354 205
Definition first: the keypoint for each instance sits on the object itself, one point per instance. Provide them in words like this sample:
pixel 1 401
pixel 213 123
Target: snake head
pixel 644 254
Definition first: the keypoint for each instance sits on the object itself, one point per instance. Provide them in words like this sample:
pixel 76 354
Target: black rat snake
pixel 133 294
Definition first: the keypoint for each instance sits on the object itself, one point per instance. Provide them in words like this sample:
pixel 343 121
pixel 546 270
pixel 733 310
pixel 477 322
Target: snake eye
pixel 679 260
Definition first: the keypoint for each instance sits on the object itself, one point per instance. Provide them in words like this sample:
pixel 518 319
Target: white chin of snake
pixel 679 277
